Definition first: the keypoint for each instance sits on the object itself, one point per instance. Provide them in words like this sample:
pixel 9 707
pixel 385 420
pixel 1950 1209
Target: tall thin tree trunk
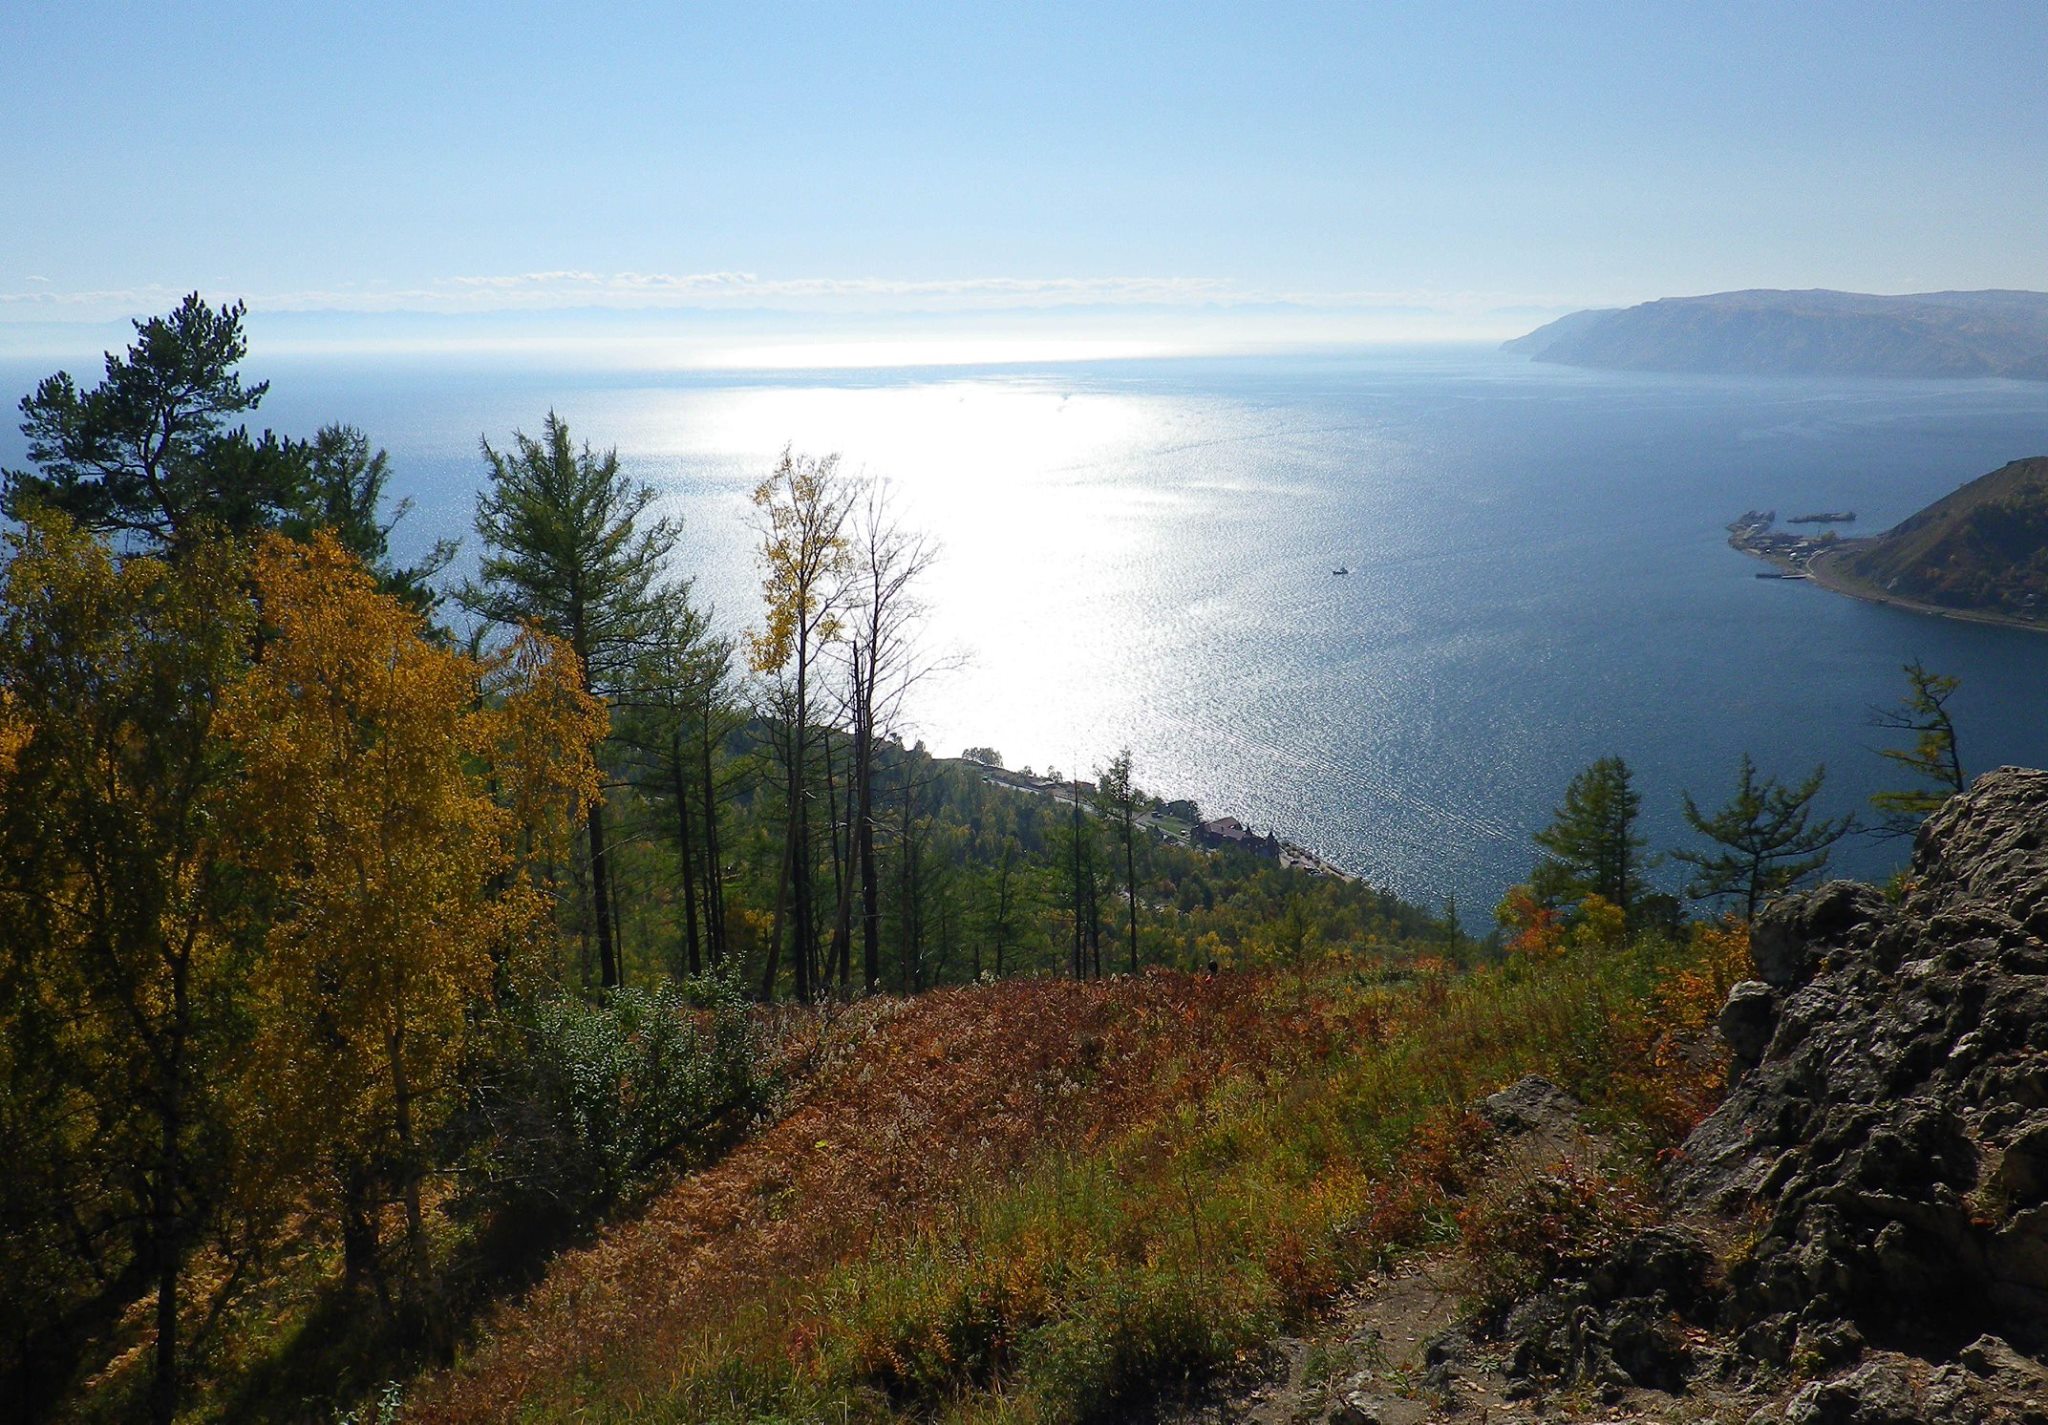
pixel 1094 918
pixel 906 897
pixel 800 833
pixel 691 960
pixel 1004 894
pixel 836 954
pixel 600 897
pixel 1131 881
pixel 1078 896
pixel 870 879
pixel 164 1225
pixel 714 870
pixel 618 929
pixel 775 928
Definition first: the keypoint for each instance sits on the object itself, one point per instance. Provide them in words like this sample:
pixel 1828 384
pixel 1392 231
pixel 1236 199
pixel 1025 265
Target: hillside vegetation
pixel 514 999
pixel 1983 548
pixel 1775 333
pixel 1055 1201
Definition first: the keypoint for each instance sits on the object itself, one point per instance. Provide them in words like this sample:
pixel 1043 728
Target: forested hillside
pixel 1982 549
pixel 369 932
pixel 533 994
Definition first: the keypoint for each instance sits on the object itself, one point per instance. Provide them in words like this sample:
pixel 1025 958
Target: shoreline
pixel 1815 565
pixel 1817 569
pixel 1292 856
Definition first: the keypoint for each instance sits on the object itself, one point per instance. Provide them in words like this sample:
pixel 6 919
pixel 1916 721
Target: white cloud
pixel 570 289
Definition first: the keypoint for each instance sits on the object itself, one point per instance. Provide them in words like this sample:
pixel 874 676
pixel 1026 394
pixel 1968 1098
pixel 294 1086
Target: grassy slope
pixel 1040 1200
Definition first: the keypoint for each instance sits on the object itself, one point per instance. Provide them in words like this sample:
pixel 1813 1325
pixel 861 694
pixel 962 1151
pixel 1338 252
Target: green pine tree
pixel 1592 846
pixel 1767 837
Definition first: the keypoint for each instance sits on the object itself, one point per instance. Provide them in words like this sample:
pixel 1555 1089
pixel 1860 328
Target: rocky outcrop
pixel 1989 1383
pixel 1624 1325
pixel 1876 1180
pixel 1888 1133
pixel 1533 1105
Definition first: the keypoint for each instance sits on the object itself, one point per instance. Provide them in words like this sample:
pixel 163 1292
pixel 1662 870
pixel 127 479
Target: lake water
pixel 1140 554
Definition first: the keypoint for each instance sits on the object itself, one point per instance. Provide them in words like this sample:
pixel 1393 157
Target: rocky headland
pixel 1814 333
pixel 1979 553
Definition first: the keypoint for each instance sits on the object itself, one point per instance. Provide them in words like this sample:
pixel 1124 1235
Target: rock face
pixel 1877 1178
pixel 1889 1132
pixel 1622 1326
pixel 1532 1105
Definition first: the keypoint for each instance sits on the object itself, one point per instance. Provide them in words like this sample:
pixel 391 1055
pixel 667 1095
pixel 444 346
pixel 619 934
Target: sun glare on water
pixel 1050 506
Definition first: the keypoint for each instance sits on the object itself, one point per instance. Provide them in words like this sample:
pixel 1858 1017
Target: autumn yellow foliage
pixel 263 856
pixel 366 748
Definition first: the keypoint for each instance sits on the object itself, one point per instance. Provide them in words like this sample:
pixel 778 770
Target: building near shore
pixel 1228 831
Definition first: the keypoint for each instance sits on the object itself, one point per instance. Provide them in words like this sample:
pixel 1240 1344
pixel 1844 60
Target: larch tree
pixel 1933 757
pixel 1004 889
pixel 568 549
pixel 1592 846
pixel 803 509
pixel 1766 838
pixel 1077 857
pixel 676 718
pixel 1118 799
pixel 887 563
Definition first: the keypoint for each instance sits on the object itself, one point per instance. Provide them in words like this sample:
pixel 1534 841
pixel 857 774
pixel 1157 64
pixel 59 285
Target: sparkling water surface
pixel 1140 553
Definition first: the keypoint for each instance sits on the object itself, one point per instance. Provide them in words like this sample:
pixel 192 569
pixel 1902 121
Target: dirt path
pixel 1395 1350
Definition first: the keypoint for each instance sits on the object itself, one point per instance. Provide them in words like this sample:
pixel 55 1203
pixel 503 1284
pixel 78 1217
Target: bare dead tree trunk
pixel 836 954
pixel 1131 878
pixel 1080 898
pixel 775 928
pixel 870 878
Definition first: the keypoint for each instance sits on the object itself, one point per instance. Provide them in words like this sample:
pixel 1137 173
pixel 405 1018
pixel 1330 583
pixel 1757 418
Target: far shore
pixel 1298 858
pixel 1820 569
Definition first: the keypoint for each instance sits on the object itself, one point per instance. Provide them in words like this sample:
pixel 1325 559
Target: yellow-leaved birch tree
pixel 394 786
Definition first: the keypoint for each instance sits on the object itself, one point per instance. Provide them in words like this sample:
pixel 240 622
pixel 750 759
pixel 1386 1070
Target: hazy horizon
pixel 722 187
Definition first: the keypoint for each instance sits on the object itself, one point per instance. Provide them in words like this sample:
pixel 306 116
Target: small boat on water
pixel 1340 569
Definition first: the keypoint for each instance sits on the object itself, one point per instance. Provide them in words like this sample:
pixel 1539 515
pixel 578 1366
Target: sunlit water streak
pixel 1141 553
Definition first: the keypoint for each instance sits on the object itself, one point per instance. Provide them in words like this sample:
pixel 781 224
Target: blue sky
pixel 1263 170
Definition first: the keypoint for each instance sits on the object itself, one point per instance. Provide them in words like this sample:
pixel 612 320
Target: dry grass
pixel 916 1101
pixel 1039 1200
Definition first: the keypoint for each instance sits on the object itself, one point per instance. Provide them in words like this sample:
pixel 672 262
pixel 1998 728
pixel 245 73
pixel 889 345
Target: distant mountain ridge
pixel 1982 549
pixel 1815 333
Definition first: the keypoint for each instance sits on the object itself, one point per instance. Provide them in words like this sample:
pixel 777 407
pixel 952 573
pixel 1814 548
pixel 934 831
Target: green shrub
pixel 603 1093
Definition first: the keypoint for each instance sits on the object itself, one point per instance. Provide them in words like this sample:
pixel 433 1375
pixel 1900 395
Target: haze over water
pixel 1141 553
